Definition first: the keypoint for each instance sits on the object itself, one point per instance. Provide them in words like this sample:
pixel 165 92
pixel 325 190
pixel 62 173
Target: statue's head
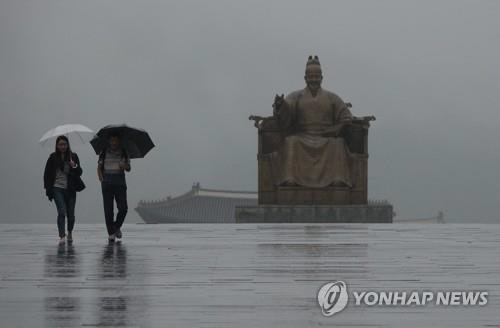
pixel 313 74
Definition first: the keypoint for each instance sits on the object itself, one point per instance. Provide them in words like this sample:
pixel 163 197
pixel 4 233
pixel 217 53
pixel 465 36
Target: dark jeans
pixel 65 202
pixel 110 193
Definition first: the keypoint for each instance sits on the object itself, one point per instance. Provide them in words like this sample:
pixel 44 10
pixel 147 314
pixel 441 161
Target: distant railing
pixel 378 202
pixel 161 202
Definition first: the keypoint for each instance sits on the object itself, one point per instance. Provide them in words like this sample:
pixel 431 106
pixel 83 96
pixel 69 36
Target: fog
pixel 191 72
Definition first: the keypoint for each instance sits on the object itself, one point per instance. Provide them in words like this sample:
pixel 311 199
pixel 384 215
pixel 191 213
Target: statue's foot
pixel 341 184
pixel 289 183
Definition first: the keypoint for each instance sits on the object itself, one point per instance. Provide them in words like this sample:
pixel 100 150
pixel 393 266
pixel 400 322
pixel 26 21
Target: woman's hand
pixel 49 192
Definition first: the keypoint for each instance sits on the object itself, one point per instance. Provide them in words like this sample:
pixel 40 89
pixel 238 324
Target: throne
pixel 271 138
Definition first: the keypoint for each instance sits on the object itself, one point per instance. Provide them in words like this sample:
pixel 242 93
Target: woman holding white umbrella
pixel 62 175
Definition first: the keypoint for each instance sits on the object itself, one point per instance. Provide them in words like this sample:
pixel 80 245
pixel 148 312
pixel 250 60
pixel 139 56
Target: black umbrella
pixel 135 141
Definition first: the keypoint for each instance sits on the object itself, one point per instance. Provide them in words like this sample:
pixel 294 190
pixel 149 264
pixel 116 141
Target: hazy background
pixel 191 72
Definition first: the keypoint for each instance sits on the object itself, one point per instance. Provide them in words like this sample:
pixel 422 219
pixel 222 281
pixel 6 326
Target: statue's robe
pixel 311 156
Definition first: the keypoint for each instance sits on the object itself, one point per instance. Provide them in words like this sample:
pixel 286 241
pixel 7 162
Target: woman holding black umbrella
pixel 61 182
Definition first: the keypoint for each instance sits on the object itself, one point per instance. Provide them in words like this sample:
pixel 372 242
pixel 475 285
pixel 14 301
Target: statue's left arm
pixel 342 116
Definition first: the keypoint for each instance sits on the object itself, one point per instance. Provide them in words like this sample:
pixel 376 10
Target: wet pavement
pixel 247 275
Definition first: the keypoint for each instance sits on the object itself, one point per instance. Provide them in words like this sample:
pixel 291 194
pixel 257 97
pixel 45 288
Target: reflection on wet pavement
pixel 112 307
pixel 62 261
pixel 249 275
pixel 113 261
pixel 62 311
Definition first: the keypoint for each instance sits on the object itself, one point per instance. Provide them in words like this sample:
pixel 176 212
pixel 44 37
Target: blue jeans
pixel 65 202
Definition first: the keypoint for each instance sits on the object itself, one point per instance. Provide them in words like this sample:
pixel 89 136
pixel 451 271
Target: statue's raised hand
pixel 278 102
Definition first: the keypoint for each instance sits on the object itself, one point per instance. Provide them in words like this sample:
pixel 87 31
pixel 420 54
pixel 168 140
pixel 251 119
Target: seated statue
pixel 313 154
pixel 312 151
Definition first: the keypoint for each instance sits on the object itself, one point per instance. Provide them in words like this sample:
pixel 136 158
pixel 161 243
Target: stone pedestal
pixel 376 213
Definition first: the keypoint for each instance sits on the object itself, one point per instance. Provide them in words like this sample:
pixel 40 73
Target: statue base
pixel 371 213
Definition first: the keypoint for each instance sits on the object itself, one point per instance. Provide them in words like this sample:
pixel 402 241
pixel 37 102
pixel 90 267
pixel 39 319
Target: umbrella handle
pixel 70 156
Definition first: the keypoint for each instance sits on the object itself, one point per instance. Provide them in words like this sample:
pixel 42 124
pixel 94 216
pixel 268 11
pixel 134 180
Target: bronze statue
pixel 312 150
pixel 313 154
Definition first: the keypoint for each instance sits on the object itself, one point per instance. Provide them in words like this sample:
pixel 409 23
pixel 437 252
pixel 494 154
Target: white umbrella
pixel 74 132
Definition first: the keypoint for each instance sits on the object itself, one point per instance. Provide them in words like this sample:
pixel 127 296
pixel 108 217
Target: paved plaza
pixel 246 275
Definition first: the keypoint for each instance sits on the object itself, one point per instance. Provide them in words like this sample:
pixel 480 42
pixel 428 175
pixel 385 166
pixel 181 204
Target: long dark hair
pixel 59 161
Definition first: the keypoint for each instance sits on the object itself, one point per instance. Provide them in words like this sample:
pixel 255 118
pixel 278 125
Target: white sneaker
pixel 111 237
pixel 62 240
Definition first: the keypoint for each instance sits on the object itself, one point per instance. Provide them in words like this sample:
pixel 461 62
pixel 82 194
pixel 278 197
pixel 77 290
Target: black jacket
pixel 49 175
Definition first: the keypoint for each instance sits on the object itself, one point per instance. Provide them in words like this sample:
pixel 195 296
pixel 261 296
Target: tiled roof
pixel 196 206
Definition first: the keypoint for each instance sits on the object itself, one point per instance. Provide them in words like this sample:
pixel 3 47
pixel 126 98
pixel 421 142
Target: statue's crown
pixel 312 61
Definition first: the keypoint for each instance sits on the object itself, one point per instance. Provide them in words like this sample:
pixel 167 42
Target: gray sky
pixel 191 72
